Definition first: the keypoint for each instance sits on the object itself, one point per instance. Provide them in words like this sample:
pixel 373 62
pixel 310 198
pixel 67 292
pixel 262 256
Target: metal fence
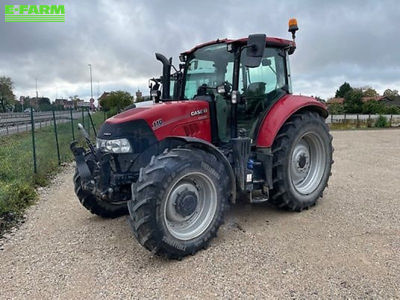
pixel 46 135
pixel 362 119
pixel 12 123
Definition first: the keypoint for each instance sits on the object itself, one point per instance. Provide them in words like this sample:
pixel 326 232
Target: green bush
pixel 381 122
pixel 336 109
pixel 392 110
pixel 373 107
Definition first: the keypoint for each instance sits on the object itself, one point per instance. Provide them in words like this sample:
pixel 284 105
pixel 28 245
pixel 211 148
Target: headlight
pixel 114 146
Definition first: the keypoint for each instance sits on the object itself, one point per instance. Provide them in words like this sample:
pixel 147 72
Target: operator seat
pixel 255 96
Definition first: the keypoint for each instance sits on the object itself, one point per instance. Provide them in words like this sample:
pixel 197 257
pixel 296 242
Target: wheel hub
pixel 186 203
pixel 307 163
pixel 190 206
pixel 303 162
pixel 301 158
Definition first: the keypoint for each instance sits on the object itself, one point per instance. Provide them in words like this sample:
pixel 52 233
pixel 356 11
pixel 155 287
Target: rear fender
pixel 283 110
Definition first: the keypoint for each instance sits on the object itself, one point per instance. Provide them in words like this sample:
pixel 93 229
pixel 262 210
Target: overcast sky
pixel 354 41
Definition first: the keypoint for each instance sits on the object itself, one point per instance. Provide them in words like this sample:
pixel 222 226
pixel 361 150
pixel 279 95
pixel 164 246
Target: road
pixel 348 246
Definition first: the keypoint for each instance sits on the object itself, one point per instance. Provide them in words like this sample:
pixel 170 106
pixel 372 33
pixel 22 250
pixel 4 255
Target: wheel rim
pixel 308 163
pixel 190 206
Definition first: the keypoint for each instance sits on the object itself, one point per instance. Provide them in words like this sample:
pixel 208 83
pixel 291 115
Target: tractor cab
pixel 241 79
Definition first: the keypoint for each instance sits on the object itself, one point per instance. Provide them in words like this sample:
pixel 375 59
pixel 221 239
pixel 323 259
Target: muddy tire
pixel 302 159
pixel 178 202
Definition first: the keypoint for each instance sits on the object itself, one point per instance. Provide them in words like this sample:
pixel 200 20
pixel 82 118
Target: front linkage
pixel 99 186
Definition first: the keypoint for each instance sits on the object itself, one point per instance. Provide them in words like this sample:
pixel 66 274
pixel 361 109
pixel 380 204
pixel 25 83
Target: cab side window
pixel 257 86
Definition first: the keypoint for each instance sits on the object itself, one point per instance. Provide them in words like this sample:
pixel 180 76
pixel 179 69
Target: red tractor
pixel 231 129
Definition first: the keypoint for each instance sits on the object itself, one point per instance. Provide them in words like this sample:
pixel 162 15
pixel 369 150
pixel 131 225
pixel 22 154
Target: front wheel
pixel 178 202
pixel 302 159
pixel 95 205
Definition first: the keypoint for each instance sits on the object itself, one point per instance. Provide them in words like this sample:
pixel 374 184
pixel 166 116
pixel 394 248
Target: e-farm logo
pixel 34 13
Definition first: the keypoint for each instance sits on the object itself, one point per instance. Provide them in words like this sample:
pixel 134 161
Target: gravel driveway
pixel 346 246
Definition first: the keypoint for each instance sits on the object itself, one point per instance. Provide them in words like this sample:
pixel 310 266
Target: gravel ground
pixel 348 246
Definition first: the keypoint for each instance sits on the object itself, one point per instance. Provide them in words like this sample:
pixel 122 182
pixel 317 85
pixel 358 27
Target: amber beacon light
pixel 293 27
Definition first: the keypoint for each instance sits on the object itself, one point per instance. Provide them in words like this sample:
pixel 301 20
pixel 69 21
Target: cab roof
pixel 270 41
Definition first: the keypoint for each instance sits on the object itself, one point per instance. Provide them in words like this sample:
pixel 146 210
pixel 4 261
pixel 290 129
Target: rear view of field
pixel 346 246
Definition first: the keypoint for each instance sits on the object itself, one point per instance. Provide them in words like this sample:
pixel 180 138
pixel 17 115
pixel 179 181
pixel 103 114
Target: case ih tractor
pixel 231 129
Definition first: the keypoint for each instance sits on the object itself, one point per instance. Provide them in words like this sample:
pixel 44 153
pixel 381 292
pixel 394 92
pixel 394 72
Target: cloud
pixel 338 41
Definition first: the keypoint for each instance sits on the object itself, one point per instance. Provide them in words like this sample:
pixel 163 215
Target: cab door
pixel 261 87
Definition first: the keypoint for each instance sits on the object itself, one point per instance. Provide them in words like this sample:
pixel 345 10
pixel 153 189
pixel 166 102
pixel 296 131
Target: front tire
pixel 178 202
pixel 95 205
pixel 302 159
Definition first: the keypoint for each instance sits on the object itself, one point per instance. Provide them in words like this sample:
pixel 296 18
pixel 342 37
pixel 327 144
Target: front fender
pixel 176 141
pixel 204 145
pixel 281 111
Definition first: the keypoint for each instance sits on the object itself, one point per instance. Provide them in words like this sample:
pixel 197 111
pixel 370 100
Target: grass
pixel 17 181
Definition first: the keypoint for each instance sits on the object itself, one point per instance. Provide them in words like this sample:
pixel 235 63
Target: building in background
pixel 64 103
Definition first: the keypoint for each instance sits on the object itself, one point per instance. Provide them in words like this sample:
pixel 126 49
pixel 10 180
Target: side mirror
pixel 255 50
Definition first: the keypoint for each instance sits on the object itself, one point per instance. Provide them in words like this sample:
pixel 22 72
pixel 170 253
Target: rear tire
pixel 178 202
pixel 95 205
pixel 302 159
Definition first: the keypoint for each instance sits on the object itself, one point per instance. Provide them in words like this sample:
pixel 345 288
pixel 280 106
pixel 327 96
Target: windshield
pixel 210 65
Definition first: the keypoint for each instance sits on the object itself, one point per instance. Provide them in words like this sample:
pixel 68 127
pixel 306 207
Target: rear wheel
pixel 178 202
pixel 302 158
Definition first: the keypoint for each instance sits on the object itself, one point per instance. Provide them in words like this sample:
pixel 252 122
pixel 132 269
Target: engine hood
pixel 167 118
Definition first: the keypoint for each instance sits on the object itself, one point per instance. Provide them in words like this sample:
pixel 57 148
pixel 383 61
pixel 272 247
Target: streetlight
pixel 91 82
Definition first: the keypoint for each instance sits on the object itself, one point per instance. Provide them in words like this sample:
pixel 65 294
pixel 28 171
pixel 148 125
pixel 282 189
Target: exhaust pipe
pixel 166 74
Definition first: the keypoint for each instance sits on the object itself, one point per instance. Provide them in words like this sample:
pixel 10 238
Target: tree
pixel 390 93
pixel 373 107
pixel 392 110
pixel 370 92
pixel 352 101
pixel 74 100
pixel 116 101
pixel 44 104
pixel 343 89
pixel 336 109
pixel 7 97
pixel 17 107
